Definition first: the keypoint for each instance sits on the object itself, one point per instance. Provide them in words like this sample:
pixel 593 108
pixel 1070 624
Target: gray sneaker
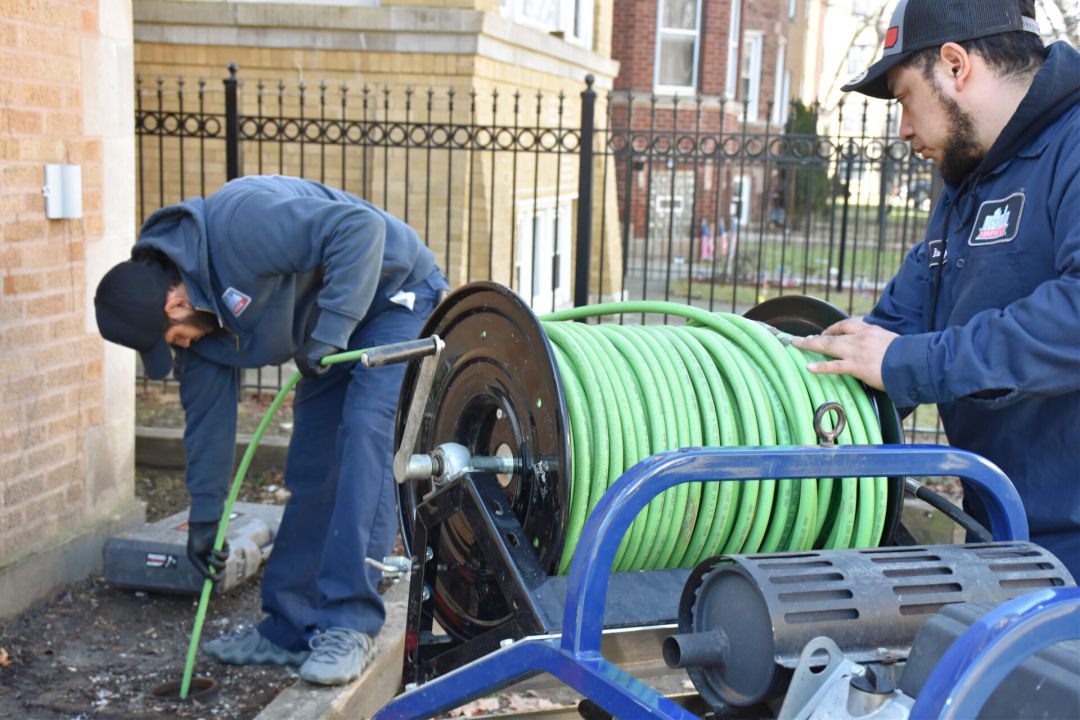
pixel 338 656
pixel 246 646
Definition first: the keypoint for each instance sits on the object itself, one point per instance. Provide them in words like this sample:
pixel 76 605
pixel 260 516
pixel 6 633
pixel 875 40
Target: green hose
pixel 234 491
pixel 719 380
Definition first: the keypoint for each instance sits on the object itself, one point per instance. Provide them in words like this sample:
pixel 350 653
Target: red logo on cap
pixel 891 37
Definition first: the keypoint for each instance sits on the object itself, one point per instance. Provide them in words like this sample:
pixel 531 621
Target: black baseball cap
pixel 920 24
pixel 130 306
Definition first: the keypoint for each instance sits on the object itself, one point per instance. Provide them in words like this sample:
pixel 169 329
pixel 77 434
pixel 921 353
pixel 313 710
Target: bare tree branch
pixel 872 19
pixel 1062 20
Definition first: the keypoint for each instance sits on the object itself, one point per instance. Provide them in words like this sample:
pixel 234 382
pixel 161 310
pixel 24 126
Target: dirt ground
pixel 93 651
pixel 97 652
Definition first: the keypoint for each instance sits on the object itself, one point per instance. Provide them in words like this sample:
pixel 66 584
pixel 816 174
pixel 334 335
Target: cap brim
pixel 157 361
pixel 875 82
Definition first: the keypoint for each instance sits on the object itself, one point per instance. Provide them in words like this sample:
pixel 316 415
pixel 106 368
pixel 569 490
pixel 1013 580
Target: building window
pixel 572 19
pixel 734 31
pixel 750 72
pixel 677 44
pixel 541 265
pixel 792 8
pixel 859 58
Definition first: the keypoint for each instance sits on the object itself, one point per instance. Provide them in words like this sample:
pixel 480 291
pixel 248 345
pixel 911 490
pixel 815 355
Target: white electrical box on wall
pixel 63 192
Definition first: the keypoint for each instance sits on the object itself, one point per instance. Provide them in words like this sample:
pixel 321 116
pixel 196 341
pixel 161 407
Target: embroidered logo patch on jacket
pixel 236 301
pixel 998 221
pixel 938 253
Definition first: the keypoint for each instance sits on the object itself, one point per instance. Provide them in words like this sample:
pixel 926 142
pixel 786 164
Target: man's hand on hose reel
pixel 201 552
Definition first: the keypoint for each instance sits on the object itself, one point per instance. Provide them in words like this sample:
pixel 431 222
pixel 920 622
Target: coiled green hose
pixel 719 380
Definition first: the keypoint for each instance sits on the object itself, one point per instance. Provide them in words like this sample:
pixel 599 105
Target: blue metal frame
pixel 574 657
pixel 972 668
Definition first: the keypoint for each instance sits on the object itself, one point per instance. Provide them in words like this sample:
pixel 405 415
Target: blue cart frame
pixel 574 657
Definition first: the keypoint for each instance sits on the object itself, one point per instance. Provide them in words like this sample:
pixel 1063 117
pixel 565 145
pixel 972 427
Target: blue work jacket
pixel 988 308
pixel 277 260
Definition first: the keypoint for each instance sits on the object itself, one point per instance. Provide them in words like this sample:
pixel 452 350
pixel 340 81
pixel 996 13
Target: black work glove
pixel 201 552
pixel 310 354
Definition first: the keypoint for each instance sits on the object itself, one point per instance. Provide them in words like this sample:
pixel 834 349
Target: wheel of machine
pixel 803 315
pixel 496 391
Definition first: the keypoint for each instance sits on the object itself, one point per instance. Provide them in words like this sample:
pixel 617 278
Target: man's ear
pixel 177 303
pixel 956 64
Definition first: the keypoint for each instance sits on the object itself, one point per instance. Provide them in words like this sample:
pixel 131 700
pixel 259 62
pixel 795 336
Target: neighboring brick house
pixel 705 67
pixel 66 399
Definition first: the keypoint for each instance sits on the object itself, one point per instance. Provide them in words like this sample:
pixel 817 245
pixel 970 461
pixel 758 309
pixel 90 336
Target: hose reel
pixel 510 386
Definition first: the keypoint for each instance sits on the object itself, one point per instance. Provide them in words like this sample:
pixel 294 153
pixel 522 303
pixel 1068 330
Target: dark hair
pixel 144 253
pixel 1012 54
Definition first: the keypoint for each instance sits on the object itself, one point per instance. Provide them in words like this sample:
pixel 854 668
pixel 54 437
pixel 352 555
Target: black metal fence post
pixel 846 187
pixel 232 126
pixel 583 257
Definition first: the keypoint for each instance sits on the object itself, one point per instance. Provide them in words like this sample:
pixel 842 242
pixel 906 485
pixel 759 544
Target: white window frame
pixel 731 83
pixel 661 33
pixel 786 99
pixel 554 241
pixel 779 113
pixel 755 43
pixel 669 205
pixel 744 193
pixel 574 19
pixel 792 9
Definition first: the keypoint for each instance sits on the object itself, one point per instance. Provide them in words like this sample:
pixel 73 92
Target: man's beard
pixel 207 322
pixel 962 153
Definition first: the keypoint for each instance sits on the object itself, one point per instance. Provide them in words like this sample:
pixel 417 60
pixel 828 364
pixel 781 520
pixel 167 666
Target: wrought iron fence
pixel 566 199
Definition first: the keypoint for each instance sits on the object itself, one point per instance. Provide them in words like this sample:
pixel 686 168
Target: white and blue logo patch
pixel 938 252
pixel 998 221
pixel 236 301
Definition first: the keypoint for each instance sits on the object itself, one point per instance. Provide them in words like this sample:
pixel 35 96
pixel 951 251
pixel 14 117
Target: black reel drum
pixel 496 391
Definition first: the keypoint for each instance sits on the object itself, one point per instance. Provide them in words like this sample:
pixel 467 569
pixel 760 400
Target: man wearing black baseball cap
pixel 266 269
pixel 983 317
pixel 143 304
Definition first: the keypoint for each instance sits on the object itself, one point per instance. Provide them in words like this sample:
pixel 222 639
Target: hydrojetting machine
pixel 572 492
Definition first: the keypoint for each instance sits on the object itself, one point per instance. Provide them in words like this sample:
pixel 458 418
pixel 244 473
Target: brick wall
pixel 54 413
pixel 634 45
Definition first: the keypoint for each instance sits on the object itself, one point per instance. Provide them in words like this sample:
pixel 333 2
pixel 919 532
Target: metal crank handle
pixel 399 352
pixel 432 350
